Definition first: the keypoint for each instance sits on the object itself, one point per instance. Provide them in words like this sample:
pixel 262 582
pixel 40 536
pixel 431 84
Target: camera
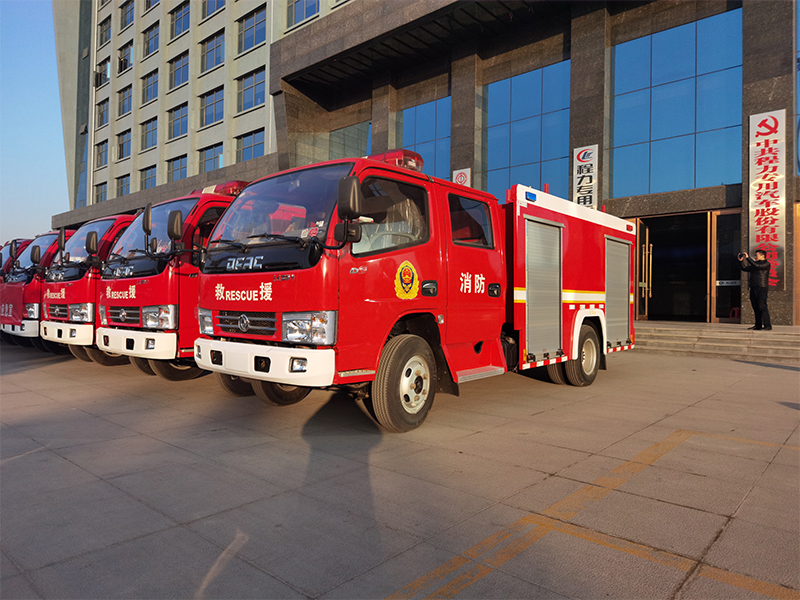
pixel 741 256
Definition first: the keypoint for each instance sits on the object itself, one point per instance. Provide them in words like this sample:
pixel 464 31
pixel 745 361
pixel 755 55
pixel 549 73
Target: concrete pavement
pixel 670 477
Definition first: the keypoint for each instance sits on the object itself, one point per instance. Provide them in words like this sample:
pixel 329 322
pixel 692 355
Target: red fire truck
pixel 21 292
pixel 69 293
pixel 148 293
pixel 397 285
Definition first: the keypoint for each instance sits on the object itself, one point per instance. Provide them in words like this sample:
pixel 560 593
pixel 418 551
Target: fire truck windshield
pixel 43 241
pixel 281 210
pixel 76 245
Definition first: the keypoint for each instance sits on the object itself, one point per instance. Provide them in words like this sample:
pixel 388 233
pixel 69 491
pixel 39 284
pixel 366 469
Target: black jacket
pixel 759 271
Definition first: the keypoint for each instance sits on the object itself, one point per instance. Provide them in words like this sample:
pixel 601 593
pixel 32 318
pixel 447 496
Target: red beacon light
pixel 400 158
pixel 230 188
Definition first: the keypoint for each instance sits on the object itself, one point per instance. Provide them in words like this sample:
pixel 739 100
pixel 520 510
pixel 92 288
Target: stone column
pixel 589 112
pixel 384 115
pixel 768 31
pixel 466 112
pixel 298 123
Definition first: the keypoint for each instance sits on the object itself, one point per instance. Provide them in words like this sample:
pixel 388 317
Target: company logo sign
pixel 244 323
pixel 584 176
pixel 585 156
pixel 406 281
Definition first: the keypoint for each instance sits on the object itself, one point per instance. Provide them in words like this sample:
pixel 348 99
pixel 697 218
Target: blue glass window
pixel 677 93
pixel 527 131
pixel 425 129
pixel 353 140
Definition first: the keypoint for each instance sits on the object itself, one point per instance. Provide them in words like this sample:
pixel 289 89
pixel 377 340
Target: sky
pixel 33 171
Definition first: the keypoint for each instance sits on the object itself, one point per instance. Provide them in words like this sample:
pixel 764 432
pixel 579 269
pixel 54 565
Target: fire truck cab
pixel 395 285
pixel 21 292
pixel 69 292
pixel 148 291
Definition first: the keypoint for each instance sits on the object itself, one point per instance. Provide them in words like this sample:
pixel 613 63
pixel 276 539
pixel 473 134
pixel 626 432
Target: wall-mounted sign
pixel 584 176
pixel 767 229
pixel 463 177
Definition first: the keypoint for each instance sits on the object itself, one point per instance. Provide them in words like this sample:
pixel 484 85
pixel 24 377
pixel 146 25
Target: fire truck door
pixel 543 262
pixel 475 307
pixel 618 307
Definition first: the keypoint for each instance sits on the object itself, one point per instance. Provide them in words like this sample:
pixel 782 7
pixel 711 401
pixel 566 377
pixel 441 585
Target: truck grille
pixel 256 323
pixel 58 311
pixel 124 315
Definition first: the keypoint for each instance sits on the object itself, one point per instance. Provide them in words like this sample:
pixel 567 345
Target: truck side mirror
pixel 351 200
pixel 36 254
pixel 91 243
pixel 62 239
pixel 147 219
pixel 1 260
pixel 13 249
pixel 175 225
pixel 352 233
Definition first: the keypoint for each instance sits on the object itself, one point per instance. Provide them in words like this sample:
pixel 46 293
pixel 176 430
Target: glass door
pixel 725 279
pixel 644 269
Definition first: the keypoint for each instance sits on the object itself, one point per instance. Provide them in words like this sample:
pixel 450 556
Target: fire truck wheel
pixel 556 373
pixel 38 343
pixel 404 385
pixel 234 385
pixel 175 372
pixel 107 359
pixel 23 341
pixel 56 347
pixel 143 365
pixel 278 393
pixel 8 338
pixel 79 352
pixel 583 370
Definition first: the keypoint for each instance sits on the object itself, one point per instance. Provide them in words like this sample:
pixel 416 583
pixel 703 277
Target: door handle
pixel 494 290
pixel 650 275
pixel 430 288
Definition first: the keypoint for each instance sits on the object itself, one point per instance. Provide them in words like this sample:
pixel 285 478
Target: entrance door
pixel 644 269
pixel 725 277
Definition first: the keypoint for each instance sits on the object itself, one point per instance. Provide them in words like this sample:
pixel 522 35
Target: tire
pixel 8 338
pixel 404 386
pixel 101 357
pixel 556 373
pixel 38 343
pixel 79 352
pixel 56 347
pixel 583 370
pixel 278 393
pixel 236 386
pixel 172 371
pixel 143 365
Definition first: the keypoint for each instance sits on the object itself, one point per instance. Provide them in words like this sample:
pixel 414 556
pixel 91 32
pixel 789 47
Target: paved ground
pixel 670 477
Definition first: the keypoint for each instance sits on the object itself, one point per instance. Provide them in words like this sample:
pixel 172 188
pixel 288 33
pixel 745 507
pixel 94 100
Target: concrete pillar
pixel 299 121
pixel 384 115
pixel 467 112
pixel 589 79
pixel 768 30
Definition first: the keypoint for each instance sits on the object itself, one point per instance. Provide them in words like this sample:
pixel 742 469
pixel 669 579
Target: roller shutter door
pixel 543 285
pixel 617 292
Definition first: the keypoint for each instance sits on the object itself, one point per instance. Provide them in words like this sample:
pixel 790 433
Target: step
pixel 780 360
pixel 765 340
pixel 723 349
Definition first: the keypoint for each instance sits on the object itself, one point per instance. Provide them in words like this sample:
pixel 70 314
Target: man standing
pixel 759 284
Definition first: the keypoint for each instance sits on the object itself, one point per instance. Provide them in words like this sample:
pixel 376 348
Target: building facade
pixel 660 95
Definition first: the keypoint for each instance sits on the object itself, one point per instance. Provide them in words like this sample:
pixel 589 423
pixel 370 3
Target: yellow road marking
pixel 509 543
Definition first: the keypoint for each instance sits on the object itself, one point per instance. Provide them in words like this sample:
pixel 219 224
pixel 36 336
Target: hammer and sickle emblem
pixel 768 126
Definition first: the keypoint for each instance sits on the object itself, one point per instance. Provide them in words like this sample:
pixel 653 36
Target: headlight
pixel 160 317
pixel 310 328
pixel 32 311
pixel 102 312
pixel 81 313
pixel 205 321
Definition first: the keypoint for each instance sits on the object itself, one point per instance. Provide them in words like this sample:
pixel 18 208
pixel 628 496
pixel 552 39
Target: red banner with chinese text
pixel 11 304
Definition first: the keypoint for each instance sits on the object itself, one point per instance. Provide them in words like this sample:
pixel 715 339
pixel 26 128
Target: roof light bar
pixel 401 158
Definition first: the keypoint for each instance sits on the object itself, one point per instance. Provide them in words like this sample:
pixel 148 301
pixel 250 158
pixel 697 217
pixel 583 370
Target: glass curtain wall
pixel 352 141
pixel 677 108
pixel 425 129
pixel 526 138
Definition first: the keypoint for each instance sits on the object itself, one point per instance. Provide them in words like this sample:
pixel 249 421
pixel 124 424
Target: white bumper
pixel 240 359
pixel 29 328
pixel 78 334
pixel 164 345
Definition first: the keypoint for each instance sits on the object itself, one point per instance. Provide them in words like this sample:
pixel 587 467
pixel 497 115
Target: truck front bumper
pixel 29 328
pixel 158 345
pixel 239 359
pixel 78 334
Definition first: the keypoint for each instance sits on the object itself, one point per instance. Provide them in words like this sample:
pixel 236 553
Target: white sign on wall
pixel 584 176
pixel 767 179
pixel 462 177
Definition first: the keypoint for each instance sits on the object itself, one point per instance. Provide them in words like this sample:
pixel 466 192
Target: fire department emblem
pixel 406 281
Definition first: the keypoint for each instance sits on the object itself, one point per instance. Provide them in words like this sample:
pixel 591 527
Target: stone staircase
pixel 720 340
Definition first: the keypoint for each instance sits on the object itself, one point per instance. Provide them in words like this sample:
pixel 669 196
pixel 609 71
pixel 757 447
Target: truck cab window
pixel 470 222
pixel 205 226
pixel 395 216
